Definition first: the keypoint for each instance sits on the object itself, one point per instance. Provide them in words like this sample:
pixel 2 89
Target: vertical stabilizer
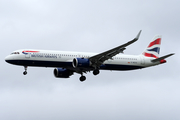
pixel 154 47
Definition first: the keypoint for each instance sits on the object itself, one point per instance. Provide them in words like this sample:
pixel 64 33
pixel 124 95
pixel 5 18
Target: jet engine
pixel 81 62
pixel 62 73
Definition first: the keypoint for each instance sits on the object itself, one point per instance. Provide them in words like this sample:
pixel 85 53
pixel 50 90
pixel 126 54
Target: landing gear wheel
pixel 82 78
pixel 96 72
pixel 24 72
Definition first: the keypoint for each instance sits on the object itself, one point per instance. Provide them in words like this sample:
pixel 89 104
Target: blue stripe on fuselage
pixel 69 65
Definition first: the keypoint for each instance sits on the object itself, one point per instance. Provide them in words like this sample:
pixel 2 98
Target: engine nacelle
pixel 62 73
pixel 81 62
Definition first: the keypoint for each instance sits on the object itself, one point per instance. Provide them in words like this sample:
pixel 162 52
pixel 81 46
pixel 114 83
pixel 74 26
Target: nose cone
pixel 8 59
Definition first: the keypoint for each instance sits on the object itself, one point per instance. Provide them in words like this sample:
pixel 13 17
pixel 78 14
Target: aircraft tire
pixel 82 78
pixel 24 72
pixel 96 72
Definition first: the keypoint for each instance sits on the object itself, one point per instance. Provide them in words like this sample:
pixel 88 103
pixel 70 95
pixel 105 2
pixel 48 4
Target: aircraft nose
pixel 8 59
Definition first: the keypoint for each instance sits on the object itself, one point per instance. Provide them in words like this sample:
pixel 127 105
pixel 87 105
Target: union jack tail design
pixel 154 48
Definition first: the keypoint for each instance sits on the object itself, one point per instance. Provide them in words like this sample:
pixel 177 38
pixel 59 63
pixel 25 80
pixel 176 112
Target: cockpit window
pixel 15 53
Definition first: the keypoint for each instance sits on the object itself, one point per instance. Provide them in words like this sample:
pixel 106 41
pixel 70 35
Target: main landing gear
pixel 25 72
pixel 96 72
pixel 83 78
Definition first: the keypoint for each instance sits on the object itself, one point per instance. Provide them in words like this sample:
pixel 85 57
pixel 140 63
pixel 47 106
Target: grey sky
pixel 89 26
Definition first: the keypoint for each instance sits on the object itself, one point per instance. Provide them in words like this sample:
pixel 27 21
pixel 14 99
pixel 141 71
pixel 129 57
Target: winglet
pixel 137 37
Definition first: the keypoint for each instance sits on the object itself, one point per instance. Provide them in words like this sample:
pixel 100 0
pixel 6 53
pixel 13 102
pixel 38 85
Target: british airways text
pixel 41 56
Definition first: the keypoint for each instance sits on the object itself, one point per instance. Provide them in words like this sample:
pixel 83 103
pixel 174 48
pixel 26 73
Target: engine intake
pixel 81 62
pixel 62 73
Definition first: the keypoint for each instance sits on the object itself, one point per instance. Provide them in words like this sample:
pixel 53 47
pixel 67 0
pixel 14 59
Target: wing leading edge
pixel 98 59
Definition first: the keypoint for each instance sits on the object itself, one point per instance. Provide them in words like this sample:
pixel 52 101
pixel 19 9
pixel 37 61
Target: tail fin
pixel 154 48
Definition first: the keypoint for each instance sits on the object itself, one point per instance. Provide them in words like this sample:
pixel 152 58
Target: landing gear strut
pixel 25 72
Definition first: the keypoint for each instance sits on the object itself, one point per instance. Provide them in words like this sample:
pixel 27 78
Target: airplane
pixel 67 63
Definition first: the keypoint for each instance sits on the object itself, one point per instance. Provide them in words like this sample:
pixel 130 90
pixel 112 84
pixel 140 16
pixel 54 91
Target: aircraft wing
pixel 98 59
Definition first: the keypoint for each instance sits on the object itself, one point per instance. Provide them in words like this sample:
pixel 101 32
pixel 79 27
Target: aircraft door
pixel 27 55
pixel 142 60
pixel 79 56
pixel 59 56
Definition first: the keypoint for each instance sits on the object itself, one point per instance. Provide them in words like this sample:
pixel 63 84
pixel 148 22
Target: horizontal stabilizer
pixel 162 58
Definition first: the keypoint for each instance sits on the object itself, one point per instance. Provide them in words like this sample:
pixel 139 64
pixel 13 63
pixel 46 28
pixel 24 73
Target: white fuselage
pixel 63 59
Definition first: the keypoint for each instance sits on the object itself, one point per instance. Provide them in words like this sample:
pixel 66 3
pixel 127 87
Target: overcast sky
pixel 89 26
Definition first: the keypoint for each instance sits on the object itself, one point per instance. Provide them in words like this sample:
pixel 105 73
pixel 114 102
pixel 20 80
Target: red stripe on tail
pixel 157 41
pixel 149 55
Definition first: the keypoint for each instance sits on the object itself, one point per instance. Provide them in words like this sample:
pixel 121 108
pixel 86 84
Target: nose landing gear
pixel 25 72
